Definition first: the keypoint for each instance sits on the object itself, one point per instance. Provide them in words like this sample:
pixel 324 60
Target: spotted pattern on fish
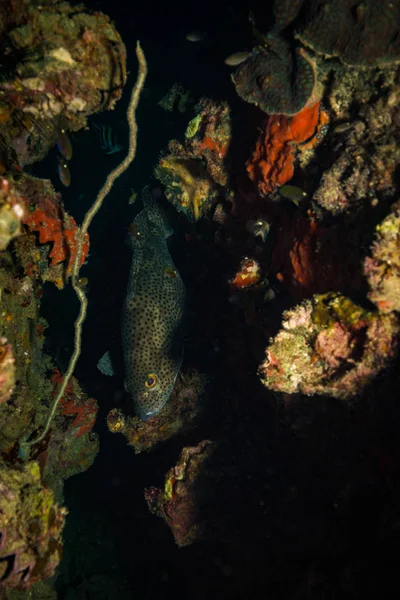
pixel 152 315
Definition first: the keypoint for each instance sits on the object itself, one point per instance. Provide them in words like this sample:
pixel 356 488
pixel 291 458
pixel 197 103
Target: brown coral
pixel 178 503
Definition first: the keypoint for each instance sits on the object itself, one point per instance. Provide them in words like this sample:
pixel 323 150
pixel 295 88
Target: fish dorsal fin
pixel 155 214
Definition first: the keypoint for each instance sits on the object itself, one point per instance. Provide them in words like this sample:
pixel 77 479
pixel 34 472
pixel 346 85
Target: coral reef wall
pixel 61 64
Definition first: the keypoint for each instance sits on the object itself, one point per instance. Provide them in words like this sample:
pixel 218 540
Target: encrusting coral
pixel 276 78
pixel 69 62
pixel 44 214
pixel 31 524
pixel 193 173
pixel 179 503
pixel 273 160
pixel 382 269
pixel 329 345
pixel 12 213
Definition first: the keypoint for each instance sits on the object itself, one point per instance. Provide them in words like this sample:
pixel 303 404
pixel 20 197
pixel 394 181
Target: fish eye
pixel 151 381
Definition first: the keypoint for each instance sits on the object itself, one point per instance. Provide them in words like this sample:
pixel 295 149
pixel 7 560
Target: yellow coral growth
pixel 188 185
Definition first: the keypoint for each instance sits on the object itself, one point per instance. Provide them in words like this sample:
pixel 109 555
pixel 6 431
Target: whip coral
pixel 272 162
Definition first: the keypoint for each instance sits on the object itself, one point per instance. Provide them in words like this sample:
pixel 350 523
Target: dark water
pixel 114 548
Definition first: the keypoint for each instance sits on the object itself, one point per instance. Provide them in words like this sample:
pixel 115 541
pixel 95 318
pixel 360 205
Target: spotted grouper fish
pixel 152 315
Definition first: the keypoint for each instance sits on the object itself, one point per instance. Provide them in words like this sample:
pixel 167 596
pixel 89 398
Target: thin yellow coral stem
pixel 82 236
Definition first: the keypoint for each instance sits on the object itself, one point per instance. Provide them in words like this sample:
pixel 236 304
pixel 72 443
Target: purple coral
pixel 330 346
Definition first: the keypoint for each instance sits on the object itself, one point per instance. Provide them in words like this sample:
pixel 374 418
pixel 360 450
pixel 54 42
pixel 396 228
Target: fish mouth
pixel 146 415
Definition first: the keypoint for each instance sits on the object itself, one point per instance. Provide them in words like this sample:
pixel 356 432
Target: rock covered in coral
pixel 31 525
pixel 72 445
pixel 366 148
pixel 11 213
pixel 208 136
pixel 45 215
pixel 24 332
pixel 277 78
pixel 179 415
pixel 179 503
pixel 187 185
pixel 382 269
pixel 193 173
pixel 328 345
pixel 7 370
pixel 60 60
pixel 359 33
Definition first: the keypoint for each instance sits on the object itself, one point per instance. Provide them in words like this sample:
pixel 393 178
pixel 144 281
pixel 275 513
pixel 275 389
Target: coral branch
pixel 82 235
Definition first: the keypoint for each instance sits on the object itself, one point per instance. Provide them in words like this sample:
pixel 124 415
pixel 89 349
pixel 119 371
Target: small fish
pixel 63 171
pixel 108 138
pixel 195 36
pixel 132 197
pixel 152 314
pixel 342 128
pixel 170 272
pixel 237 58
pixel 83 283
pixel 292 193
pixel 63 142
pixel 259 228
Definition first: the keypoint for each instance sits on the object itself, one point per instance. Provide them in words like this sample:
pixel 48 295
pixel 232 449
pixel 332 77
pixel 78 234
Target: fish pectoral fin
pixel 105 365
